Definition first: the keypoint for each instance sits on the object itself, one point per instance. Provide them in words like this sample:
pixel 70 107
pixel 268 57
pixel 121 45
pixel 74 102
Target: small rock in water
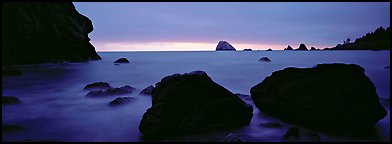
pixel 122 60
pixel 271 125
pixel 292 132
pixel 147 90
pixel 7 100
pixel 120 101
pixel 111 91
pixel 265 59
pixel 97 86
pixel 269 49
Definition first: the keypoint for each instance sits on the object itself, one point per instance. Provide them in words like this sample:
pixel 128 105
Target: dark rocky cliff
pixel 45 32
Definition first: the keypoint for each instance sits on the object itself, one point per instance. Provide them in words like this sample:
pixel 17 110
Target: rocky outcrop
pixel 122 60
pixel 192 103
pixel 97 86
pixel 289 48
pixel 112 92
pixel 265 59
pixel 8 100
pixel 45 32
pixel 147 91
pixel 313 48
pixel 269 49
pixel 333 97
pixel 224 46
pixel 247 49
pixel 302 47
pixel 121 100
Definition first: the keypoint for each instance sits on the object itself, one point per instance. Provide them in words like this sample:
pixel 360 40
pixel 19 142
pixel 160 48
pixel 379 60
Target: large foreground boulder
pixel 333 97
pixel 224 46
pixel 192 103
pixel 37 32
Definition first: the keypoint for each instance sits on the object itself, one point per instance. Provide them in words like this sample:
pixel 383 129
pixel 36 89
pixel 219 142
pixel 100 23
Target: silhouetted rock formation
pixel 192 103
pixel 7 100
pixel 45 32
pixel 97 86
pixel 288 48
pixel 333 97
pixel 269 49
pixel 247 49
pixel 121 100
pixel 380 39
pixel 111 92
pixel 224 46
pixel 148 90
pixel 265 59
pixel 302 47
pixel 122 60
pixel 312 48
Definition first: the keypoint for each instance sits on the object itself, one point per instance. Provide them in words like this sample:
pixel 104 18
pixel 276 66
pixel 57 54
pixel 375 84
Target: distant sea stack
pixel 45 32
pixel 302 47
pixel 289 48
pixel 224 46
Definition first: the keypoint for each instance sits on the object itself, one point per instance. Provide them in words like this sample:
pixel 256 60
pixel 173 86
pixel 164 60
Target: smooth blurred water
pixel 54 106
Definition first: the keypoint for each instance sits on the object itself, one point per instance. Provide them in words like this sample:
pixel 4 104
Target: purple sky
pixel 135 26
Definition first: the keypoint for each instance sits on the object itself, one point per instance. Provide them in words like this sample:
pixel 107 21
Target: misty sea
pixel 54 106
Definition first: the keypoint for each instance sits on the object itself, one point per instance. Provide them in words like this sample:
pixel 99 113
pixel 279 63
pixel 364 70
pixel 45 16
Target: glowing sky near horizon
pixel 184 26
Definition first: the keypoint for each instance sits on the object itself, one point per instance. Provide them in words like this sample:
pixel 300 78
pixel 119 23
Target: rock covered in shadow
pixel 8 100
pixel 122 60
pixel 247 50
pixel 302 47
pixel 265 59
pixel 112 91
pixel 271 125
pixel 288 48
pixel 37 32
pixel 147 91
pixel 292 132
pixel 97 86
pixel 121 100
pixel 333 97
pixel 192 103
pixel 269 49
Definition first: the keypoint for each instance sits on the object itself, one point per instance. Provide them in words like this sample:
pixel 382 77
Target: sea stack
pixel 45 32
pixel 224 46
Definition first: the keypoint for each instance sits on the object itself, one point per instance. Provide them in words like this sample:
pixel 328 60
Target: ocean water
pixel 54 107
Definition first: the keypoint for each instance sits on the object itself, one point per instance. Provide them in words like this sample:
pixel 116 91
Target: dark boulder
pixel 247 49
pixel 7 100
pixel 313 48
pixel 192 103
pixel 147 91
pixel 97 86
pixel 111 92
pixel 269 49
pixel 224 46
pixel 265 59
pixel 121 100
pixel 122 60
pixel 289 48
pixel 334 97
pixel 37 32
pixel 302 47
